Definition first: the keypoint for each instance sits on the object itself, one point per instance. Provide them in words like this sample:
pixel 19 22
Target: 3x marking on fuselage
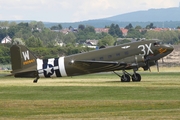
pixel 144 50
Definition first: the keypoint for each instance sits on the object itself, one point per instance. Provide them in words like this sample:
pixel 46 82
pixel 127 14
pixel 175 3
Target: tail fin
pixel 23 61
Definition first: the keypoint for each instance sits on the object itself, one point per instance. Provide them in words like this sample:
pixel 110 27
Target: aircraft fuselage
pixel 64 66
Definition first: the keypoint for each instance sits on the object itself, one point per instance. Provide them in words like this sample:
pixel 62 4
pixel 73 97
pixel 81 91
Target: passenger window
pixel 109 56
pixel 117 54
pixel 101 58
pixel 126 53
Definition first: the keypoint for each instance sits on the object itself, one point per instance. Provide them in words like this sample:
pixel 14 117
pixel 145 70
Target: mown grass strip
pixel 89 93
pixel 85 108
pixel 97 96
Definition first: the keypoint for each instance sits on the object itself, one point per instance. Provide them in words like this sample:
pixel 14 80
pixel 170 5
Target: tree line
pixel 44 42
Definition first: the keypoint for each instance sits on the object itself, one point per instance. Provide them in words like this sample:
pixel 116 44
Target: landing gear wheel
pixel 136 77
pixel 125 78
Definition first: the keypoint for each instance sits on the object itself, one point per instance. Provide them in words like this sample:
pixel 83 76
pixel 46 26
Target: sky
pixel 75 10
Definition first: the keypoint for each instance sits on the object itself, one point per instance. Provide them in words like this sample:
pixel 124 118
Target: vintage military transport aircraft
pixel 123 57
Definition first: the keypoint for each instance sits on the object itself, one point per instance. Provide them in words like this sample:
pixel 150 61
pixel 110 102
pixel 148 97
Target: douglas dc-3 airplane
pixel 122 57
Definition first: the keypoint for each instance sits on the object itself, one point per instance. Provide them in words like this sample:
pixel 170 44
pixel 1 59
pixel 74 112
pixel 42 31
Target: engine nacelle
pixel 135 61
pixel 150 63
pixel 140 61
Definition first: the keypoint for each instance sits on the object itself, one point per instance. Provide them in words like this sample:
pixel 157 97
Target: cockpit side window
pixel 157 44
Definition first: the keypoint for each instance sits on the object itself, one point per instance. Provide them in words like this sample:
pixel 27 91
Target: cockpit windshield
pixel 157 43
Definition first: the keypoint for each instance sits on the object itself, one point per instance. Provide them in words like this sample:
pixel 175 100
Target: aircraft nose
pixel 166 49
pixel 170 48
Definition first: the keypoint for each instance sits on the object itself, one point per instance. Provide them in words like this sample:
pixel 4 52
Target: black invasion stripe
pixel 45 62
pixel 56 63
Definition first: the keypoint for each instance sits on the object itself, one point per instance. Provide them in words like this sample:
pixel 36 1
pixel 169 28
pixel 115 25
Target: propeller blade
pixel 149 69
pixel 148 66
pixel 157 64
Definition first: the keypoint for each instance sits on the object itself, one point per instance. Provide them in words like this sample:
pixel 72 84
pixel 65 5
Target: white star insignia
pixel 48 70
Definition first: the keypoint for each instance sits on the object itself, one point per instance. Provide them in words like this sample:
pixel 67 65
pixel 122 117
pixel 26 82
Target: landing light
pixel 72 61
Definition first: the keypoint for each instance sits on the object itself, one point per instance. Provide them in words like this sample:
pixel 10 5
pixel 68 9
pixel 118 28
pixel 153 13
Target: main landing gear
pixel 126 76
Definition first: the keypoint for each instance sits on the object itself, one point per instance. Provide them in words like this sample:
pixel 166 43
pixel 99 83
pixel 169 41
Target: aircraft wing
pixel 94 66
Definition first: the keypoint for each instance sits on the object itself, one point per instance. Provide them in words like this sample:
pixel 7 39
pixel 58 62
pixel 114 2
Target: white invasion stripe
pixel 39 64
pixel 39 67
pixel 62 67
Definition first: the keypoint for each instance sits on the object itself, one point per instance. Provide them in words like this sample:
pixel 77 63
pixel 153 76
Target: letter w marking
pixel 26 55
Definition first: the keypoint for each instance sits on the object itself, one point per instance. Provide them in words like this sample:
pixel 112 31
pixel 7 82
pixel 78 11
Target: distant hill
pixel 100 24
pixel 164 18
pixel 152 15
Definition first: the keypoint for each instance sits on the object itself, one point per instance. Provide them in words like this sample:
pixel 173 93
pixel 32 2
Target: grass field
pixel 96 96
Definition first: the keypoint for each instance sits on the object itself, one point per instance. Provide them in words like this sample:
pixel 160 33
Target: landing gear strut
pixel 126 76
pixel 36 79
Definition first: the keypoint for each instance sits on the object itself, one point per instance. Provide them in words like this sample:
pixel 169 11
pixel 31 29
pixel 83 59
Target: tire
pixel 125 78
pixel 137 78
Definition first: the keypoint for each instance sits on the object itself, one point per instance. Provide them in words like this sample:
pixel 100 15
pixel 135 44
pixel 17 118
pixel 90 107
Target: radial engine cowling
pixel 135 61
pixel 140 61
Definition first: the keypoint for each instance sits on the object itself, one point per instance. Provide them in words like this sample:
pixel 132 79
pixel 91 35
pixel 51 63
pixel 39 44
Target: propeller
pixel 157 64
pixel 149 63
pixel 148 66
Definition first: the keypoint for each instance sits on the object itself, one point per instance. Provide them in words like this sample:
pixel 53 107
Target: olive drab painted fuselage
pixel 122 57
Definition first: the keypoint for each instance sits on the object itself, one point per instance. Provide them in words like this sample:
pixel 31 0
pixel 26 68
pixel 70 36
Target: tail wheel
pixel 125 78
pixel 136 77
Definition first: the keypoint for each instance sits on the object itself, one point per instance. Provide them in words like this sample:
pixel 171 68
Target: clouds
pixel 74 10
pixel 93 9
